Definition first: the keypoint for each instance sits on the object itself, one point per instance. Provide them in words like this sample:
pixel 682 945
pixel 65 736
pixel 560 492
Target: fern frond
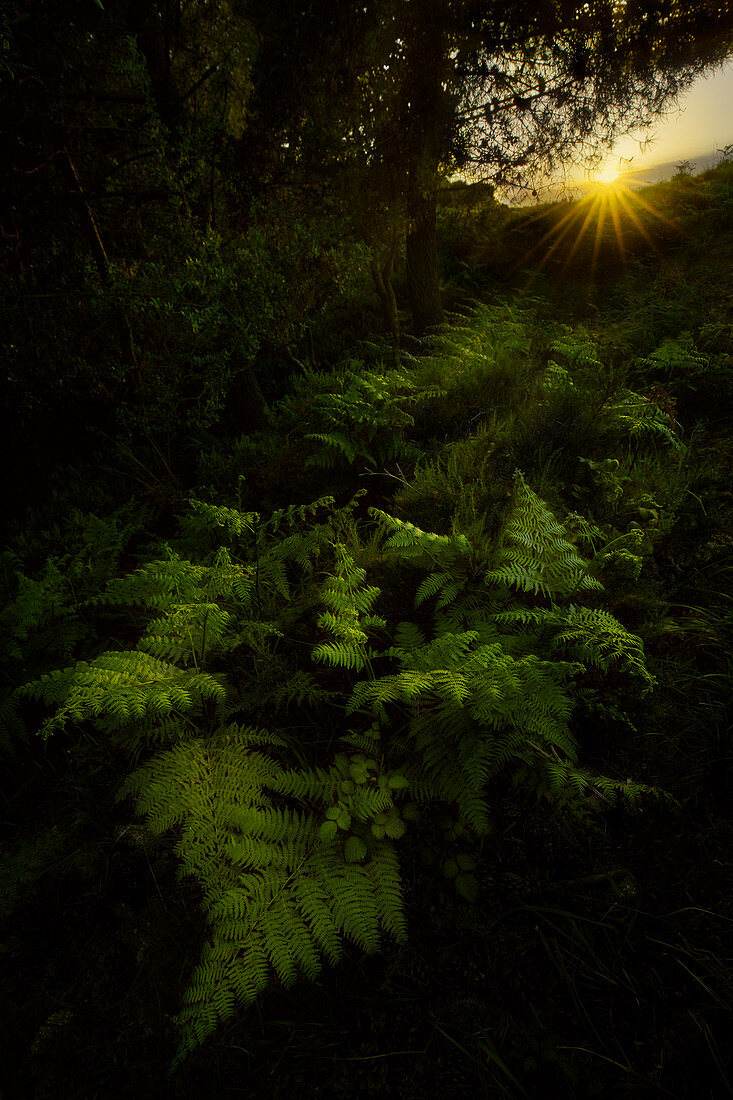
pixel 297 513
pixel 119 687
pixel 277 897
pixel 595 637
pixel 534 553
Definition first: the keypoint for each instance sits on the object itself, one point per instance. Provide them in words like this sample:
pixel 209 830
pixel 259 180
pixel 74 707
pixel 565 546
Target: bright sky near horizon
pixel 700 125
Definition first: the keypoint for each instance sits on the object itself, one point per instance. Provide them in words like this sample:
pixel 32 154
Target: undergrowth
pixel 294 833
pixel 420 593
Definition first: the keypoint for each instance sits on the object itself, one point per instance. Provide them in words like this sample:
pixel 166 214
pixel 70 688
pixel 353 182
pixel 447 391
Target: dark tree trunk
pixel 425 112
pixel 423 285
pixel 130 378
pixel 381 269
pixel 156 26
pixel 246 410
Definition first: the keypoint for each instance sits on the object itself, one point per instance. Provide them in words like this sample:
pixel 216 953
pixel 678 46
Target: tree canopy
pixel 386 97
pixel 173 117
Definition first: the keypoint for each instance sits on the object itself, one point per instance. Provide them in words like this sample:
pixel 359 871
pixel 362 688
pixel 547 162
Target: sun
pixel 608 205
pixel 608 175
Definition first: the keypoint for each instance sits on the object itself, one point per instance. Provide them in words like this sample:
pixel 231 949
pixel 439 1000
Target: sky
pixel 700 125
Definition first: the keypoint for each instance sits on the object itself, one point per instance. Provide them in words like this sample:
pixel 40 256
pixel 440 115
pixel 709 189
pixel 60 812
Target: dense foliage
pixel 329 641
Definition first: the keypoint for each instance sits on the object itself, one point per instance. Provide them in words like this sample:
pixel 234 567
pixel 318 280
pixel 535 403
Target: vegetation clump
pixel 366 640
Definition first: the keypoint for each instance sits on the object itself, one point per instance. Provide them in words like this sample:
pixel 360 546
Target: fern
pixel 577 348
pixel 283 884
pixel 596 638
pixel 643 420
pixel 279 898
pixel 348 616
pixel 479 344
pixel 293 688
pixel 477 699
pixel 46 617
pixel 117 688
pixel 568 783
pixel 294 841
pixel 675 359
pixel 472 709
pixel 355 413
pixel 31 858
pixel 535 554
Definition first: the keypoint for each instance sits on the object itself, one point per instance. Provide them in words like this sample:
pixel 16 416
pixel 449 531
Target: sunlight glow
pixel 610 203
pixel 607 174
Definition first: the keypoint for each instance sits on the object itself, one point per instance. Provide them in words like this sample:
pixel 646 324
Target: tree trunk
pixel 246 410
pixel 131 375
pixel 381 269
pixel 423 284
pixel 425 110
pixel 156 31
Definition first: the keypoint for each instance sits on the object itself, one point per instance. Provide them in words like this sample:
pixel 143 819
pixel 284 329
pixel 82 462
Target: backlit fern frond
pixel 406 541
pixel 228 525
pixel 596 638
pixel 116 688
pixel 297 513
pixel 534 553
pixel 292 837
pixel 187 633
pixel 348 616
pixel 577 348
pixel 354 413
pixel 643 420
pixel 472 709
pixel 278 897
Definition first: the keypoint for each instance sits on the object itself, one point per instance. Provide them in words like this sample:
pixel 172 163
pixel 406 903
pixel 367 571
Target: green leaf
pixel 467 887
pixel 466 862
pixel 342 762
pixel 398 782
pixel 450 868
pixel 355 849
pixel 344 819
pixel 328 830
pixel 395 828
